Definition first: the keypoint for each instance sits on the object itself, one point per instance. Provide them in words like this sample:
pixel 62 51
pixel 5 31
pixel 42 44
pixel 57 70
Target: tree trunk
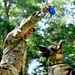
pixel 7 5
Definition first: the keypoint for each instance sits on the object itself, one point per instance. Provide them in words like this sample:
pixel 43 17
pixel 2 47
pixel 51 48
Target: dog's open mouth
pixel 44 52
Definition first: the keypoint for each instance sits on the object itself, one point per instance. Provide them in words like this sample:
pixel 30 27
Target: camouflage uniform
pixel 13 47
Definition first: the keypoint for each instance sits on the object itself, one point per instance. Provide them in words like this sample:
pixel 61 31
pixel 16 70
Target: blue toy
pixel 52 11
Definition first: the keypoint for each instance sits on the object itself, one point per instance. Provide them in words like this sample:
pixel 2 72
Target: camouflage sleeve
pixel 15 35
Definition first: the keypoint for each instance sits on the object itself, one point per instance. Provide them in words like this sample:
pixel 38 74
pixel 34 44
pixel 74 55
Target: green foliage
pixel 74 2
pixel 30 6
pixel 69 52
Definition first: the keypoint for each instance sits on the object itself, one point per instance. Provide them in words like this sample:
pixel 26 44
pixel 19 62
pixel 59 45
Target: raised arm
pixel 15 35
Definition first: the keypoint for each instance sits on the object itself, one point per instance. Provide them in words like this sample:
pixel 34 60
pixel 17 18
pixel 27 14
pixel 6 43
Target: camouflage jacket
pixel 13 47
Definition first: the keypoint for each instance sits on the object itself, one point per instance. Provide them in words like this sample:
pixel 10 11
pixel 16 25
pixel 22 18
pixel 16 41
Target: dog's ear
pixel 59 46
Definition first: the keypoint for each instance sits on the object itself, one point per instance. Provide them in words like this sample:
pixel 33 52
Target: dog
pixel 55 58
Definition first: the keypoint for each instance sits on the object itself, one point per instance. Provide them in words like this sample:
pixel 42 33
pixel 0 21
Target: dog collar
pixel 56 62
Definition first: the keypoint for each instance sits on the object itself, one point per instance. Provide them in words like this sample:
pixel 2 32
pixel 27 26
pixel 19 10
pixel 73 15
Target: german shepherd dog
pixel 55 58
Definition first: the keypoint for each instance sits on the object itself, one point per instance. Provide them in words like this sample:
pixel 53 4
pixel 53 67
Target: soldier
pixel 14 52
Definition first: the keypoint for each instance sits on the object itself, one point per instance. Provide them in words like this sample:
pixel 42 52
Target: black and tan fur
pixel 55 58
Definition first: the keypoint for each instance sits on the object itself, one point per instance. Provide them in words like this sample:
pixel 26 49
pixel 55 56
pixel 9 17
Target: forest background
pixel 49 30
